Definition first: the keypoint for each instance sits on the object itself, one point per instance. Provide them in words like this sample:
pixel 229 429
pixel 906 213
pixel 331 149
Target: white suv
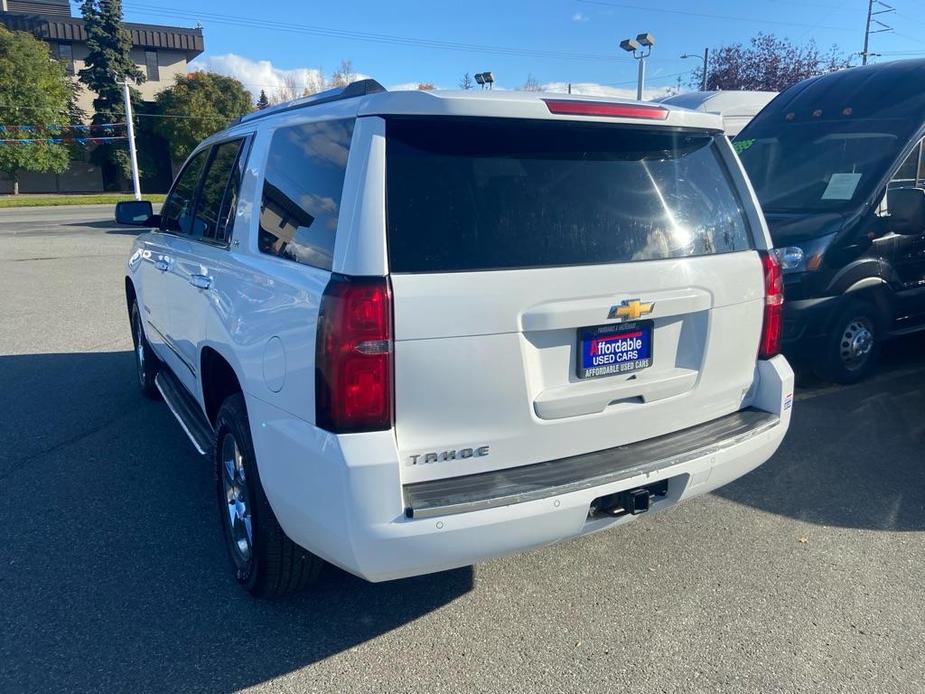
pixel 417 330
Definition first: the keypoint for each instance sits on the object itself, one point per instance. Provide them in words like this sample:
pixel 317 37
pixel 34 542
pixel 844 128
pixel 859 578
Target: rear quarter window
pixel 302 190
pixel 482 194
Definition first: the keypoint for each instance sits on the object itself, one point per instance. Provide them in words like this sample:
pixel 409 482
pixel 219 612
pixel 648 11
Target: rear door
pixel 562 287
pixel 198 256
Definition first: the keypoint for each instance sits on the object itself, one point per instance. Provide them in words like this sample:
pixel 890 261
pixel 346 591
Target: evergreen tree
pixel 108 64
pixel 263 101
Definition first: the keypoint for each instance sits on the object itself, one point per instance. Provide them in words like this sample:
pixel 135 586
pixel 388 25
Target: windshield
pixel 485 194
pixel 826 166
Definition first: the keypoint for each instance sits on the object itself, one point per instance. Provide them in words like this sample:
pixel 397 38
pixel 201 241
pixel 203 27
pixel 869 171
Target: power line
pixel 315 30
pixel 709 15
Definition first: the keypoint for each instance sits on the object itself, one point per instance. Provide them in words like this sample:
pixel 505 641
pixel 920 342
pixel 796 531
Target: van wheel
pixel 265 562
pixel 146 364
pixel 852 347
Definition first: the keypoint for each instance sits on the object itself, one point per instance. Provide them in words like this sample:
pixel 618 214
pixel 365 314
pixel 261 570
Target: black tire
pixel 851 350
pixel 268 564
pixel 146 363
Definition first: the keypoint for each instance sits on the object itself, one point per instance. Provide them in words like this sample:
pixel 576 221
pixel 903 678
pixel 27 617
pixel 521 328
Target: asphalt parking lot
pixel 806 575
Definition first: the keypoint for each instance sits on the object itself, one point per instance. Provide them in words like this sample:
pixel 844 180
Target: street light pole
pixel 130 128
pixel 706 62
pixel 634 46
pixel 641 81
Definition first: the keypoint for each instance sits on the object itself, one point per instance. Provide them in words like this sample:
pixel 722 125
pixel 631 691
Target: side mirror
pixel 134 212
pixel 907 211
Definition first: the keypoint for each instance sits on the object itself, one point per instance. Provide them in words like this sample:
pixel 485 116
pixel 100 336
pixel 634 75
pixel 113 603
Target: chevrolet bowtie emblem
pixel 630 309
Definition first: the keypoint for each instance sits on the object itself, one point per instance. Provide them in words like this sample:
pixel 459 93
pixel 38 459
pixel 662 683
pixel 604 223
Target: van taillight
pixel 353 365
pixel 773 306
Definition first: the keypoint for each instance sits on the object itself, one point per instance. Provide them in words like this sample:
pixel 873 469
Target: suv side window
pixel 177 213
pixel 214 208
pixel 302 191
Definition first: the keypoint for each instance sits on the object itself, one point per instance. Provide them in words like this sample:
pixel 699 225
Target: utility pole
pixel 130 126
pixel 706 62
pixel 871 20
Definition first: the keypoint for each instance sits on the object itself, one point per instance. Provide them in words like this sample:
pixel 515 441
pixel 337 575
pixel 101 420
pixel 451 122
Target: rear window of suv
pixel 482 194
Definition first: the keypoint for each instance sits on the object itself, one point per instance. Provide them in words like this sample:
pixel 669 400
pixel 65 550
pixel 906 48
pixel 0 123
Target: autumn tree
pixel 343 75
pixel 288 91
pixel 426 86
pixel 532 85
pixel 108 64
pixel 207 102
pixel 34 91
pixel 768 63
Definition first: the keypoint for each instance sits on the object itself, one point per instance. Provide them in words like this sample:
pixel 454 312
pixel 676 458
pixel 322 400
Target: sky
pixel 403 42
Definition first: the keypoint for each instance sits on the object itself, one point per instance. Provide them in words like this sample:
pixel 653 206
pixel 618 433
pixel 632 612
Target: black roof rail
pixel 354 89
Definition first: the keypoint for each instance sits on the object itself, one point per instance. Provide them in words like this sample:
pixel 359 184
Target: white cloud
pixel 594 89
pixel 404 87
pixel 580 17
pixel 262 74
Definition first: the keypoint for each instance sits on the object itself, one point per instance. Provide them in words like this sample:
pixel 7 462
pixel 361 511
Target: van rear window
pixel 480 194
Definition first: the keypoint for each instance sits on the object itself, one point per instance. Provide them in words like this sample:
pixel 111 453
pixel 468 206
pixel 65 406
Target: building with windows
pixel 161 52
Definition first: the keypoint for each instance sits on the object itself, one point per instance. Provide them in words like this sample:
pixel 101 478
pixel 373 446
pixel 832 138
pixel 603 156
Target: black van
pixel 837 164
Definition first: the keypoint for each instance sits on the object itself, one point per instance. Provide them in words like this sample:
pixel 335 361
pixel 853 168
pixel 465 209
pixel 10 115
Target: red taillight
pixel 602 108
pixel 773 306
pixel 353 365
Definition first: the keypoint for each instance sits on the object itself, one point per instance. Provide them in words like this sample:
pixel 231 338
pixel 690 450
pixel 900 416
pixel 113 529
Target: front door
pixel 906 254
pixel 176 229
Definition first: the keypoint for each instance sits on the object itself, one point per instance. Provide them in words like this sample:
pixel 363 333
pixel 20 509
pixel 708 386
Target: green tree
pixel 33 91
pixel 198 105
pixel 108 64
pixel 263 101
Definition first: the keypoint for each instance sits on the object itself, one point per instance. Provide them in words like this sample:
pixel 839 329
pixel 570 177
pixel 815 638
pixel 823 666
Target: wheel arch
pixel 218 379
pixel 131 295
pixel 875 291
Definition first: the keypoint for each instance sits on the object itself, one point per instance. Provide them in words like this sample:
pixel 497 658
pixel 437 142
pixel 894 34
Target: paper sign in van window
pixel 841 186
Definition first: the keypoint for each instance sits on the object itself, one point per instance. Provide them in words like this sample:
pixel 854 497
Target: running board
pixel 186 410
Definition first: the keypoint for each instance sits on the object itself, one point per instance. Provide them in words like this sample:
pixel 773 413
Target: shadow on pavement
pixel 854 456
pixel 110 227
pixel 113 575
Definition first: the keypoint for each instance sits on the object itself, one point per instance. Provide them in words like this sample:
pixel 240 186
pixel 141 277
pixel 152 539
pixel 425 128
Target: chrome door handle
pixel 200 281
pixel 162 265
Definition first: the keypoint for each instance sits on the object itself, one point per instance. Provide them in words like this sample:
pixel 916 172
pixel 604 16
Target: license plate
pixel 605 350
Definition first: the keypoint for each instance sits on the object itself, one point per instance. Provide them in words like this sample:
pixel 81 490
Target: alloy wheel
pixel 140 355
pixel 237 500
